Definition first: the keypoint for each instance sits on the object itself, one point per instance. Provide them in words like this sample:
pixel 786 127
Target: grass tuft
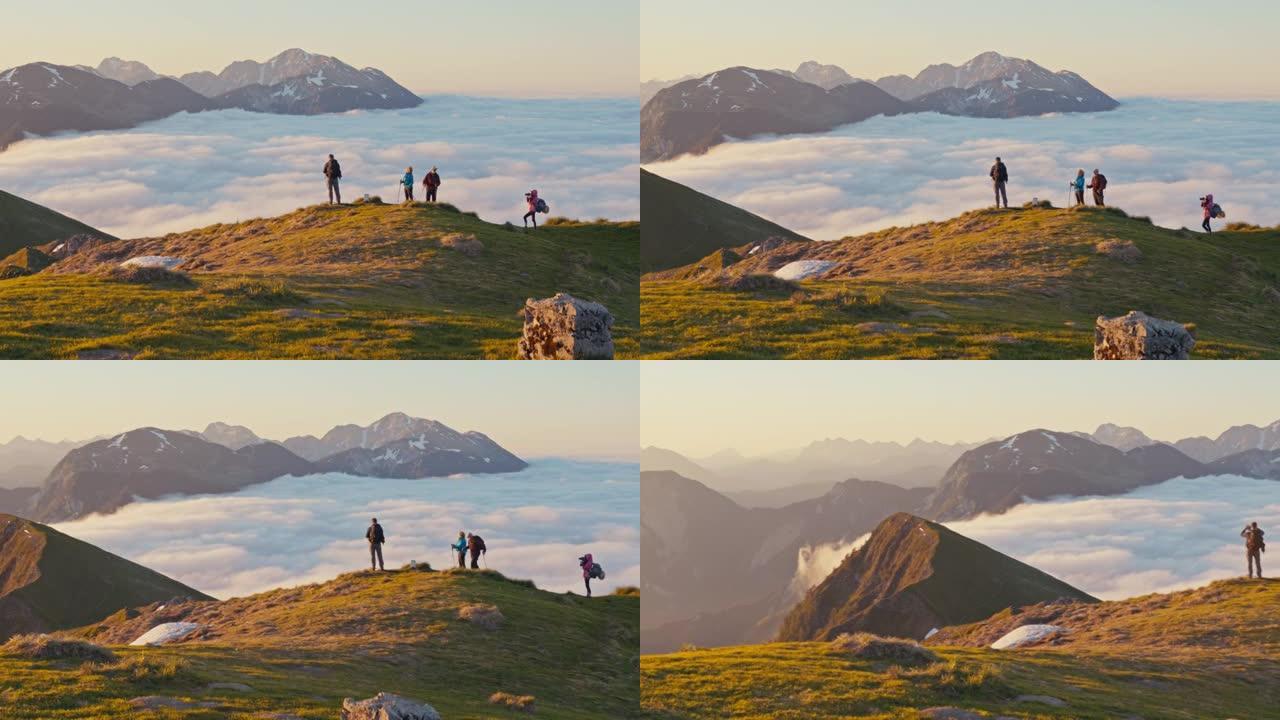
pixel 521 703
pixel 48 647
pixel 873 647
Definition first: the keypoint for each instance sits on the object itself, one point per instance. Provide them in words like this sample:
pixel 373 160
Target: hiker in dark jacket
pixel 1206 203
pixel 1078 186
pixel 475 544
pixel 333 173
pixel 432 183
pixel 1097 184
pixel 1000 177
pixel 587 563
pixel 1254 546
pixel 376 538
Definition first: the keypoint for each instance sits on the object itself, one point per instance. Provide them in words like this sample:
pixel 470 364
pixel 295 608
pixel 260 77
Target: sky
pixel 1169 48
pixel 584 410
pixel 496 47
pixel 698 408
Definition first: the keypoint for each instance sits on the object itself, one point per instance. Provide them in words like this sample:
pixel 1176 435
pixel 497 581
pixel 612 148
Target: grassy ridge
pixel 371 281
pixel 1202 654
pixel 302 650
pixel 1023 283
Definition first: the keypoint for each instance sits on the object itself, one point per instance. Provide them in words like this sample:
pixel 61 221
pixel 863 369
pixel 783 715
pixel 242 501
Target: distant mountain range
pixel 49 581
pixel 104 475
pixel 42 98
pixel 720 573
pixel 912 577
pixel 696 114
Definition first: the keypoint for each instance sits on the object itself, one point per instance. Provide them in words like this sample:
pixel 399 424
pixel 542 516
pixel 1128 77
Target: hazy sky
pixel 698 407
pixel 504 47
pixel 1168 48
pixel 532 409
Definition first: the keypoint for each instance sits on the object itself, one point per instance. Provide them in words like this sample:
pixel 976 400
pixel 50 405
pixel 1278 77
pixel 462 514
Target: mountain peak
pixel 913 575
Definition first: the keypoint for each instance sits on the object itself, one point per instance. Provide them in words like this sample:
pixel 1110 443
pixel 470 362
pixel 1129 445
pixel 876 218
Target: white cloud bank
pixel 292 531
pixel 1172 536
pixel 1159 157
pixel 192 170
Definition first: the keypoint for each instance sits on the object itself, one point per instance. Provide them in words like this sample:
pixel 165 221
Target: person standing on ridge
pixel 407 182
pixel 1206 204
pixel 1078 186
pixel 999 178
pixel 475 544
pixel 376 538
pixel 531 199
pixel 333 173
pixel 460 548
pixel 1254 546
pixel 431 183
pixel 1098 183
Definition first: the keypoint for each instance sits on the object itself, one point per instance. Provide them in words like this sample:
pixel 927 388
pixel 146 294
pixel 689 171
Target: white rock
pixel 166 633
pixel 1026 635
pixel 803 269
pixel 386 706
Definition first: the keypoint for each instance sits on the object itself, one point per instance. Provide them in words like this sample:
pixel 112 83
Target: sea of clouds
pixel 192 170
pixel 1178 534
pixel 297 530
pixel 1159 156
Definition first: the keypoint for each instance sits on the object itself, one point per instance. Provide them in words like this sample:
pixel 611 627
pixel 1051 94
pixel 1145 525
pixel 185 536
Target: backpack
pixel 1253 539
pixel 1100 182
pixel 1217 212
pixel 479 543
pixel 543 207
pixel 597 572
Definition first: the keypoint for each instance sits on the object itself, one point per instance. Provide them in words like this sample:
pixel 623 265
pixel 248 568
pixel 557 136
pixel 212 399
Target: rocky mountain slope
pixel 704 555
pixel 425 454
pixel 25 224
pixel 356 281
pixel 742 102
pixel 229 436
pixel 129 72
pixel 149 463
pixel 298 652
pixel 1233 440
pixel 913 576
pixel 50 581
pixel 1023 283
pixel 26 462
pixel 1039 464
pixel 683 225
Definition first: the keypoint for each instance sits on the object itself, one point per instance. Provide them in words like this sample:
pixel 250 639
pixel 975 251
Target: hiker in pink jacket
pixel 586 561
pixel 531 198
pixel 1206 202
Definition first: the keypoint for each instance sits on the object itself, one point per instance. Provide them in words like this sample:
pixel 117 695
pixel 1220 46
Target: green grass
pixel 1020 284
pixel 1208 653
pixel 367 281
pixel 303 650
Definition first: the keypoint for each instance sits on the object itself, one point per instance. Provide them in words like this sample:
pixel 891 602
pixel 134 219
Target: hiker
pixel 376 538
pixel 407 181
pixel 475 544
pixel 333 173
pixel 531 199
pixel 1097 183
pixel 1078 186
pixel 591 570
pixel 460 547
pixel 1210 212
pixel 999 177
pixel 1254 546
pixel 431 183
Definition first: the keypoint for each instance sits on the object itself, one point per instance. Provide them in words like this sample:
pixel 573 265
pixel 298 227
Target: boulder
pixel 385 706
pixel 1137 336
pixel 1028 635
pixel 566 328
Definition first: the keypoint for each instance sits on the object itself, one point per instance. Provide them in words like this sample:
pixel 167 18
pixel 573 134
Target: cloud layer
pixel 192 170
pixel 1175 535
pixel 1159 157
pixel 292 531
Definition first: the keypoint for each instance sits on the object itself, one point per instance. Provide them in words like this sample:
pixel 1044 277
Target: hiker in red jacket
pixel 1206 203
pixel 431 182
pixel 531 199
pixel 1254 546
pixel 1098 183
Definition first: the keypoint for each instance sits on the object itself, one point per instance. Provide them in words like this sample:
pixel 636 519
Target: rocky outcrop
pixel 1138 336
pixel 566 328
pixel 385 706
